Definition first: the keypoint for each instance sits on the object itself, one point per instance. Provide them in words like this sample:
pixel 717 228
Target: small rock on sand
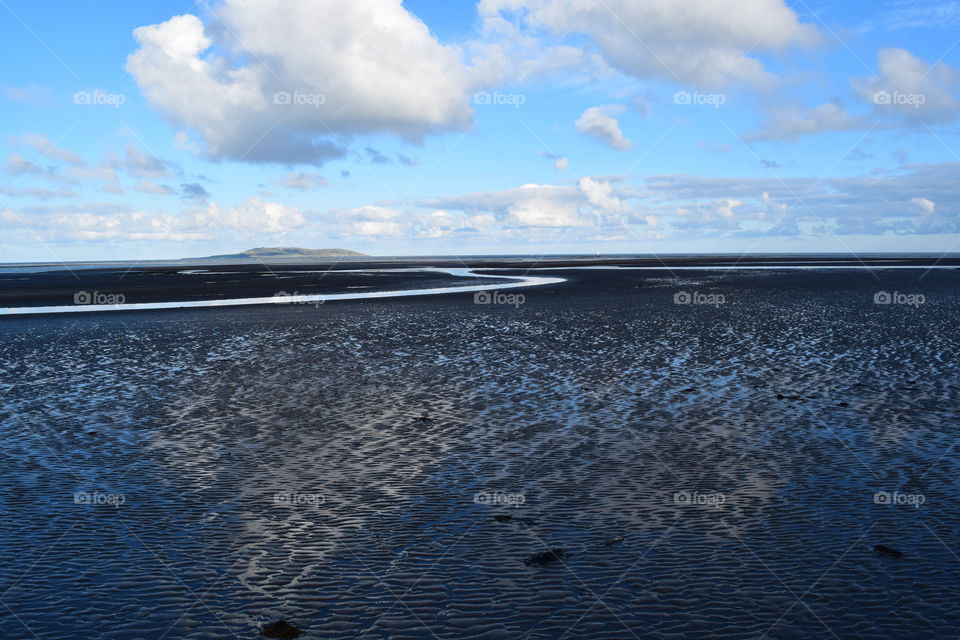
pixel 546 557
pixel 890 552
pixel 280 629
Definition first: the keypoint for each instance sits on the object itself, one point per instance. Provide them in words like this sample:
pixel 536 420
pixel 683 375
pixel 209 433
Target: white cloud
pixel 873 204
pixel 371 221
pixel 917 14
pixel 918 199
pixel 908 91
pixel 698 42
pixel 139 163
pixel 560 163
pixel 340 68
pixel 506 52
pixel 68 167
pixel 303 181
pixel 591 203
pixel 17 165
pixel 376 221
pixel 719 214
pixel 97 222
pixel 46 147
pixel 531 205
pixel 253 215
pixel 724 208
pixel 154 188
pixel 38 193
pixel 771 204
pixel 909 88
pixel 442 224
pixel 92 174
pixel 924 204
pixel 600 123
pixel 790 123
pixel 600 194
pixel 137 225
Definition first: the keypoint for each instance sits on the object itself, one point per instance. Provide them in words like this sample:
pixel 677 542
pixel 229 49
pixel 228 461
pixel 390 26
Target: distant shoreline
pixel 511 261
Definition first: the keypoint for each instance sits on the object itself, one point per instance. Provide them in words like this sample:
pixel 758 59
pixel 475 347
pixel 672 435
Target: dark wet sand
pixel 53 285
pixel 145 285
pixel 611 410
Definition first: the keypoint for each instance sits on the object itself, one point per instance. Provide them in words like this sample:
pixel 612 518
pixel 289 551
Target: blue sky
pixel 175 129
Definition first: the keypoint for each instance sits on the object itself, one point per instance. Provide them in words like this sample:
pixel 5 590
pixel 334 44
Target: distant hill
pixel 287 252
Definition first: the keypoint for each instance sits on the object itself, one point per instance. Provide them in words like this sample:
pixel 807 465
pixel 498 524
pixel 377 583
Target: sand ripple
pixel 335 467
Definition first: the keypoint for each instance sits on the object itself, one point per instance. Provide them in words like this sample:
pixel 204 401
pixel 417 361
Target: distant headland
pixel 287 252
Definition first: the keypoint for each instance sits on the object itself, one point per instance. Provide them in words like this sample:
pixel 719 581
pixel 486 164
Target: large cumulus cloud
pixel 292 81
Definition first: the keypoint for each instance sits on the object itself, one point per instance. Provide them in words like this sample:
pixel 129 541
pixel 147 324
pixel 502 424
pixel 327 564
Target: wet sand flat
pixel 716 454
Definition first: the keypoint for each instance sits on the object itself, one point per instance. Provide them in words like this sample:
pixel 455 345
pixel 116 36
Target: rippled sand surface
pixel 200 474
